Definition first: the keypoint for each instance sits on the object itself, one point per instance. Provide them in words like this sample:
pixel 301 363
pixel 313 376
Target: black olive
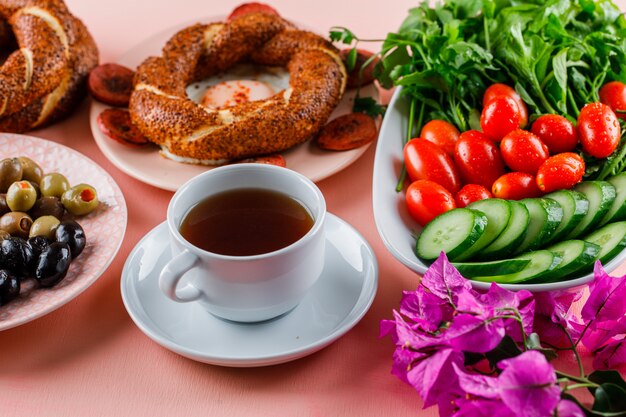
pixel 73 234
pixel 53 264
pixel 15 255
pixel 9 286
pixel 37 245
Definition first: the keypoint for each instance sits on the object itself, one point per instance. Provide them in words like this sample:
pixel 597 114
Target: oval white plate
pixel 393 222
pixel 147 165
pixel 104 227
pixel 339 299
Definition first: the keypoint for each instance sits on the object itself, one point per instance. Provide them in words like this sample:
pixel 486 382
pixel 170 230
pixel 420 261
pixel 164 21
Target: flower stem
pixel 581 370
pixel 575 378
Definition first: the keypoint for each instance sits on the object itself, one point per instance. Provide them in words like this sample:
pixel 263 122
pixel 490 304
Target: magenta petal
pixel 567 408
pixel 426 309
pixel 443 279
pixel 402 362
pixel 434 376
pixel 610 356
pixel 603 332
pixel 528 385
pixel 484 408
pixel 606 297
pixel 478 385
pixel 473 334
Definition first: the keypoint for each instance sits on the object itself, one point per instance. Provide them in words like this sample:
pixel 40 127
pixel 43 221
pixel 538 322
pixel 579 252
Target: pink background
pixel 88 358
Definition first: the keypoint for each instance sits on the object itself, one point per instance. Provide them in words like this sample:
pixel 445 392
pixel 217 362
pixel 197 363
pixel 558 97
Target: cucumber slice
pixel 575 206
pixel 453 232
pixel 617 212
pixel 611 238
pixel 511 236
pixel 545 217
pixel 601 195
pixel 502 267
pixel 577 255
pixel 542 262
pixel 498 212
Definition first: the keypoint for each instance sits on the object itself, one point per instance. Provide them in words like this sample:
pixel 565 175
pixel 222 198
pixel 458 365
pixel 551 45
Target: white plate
pixel 104 227
pixel 147 165
pixel 394 224
pixel 334 305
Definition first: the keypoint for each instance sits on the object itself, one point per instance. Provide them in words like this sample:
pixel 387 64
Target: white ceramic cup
pixel 244 288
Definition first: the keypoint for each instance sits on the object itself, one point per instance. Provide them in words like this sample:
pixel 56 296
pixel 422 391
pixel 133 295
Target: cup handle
pixel 172 274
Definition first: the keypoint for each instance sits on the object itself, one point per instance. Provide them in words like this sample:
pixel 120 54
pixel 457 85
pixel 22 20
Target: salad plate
pixel 334 305
pixel 146 163
pixel 104 227
pixel 396 227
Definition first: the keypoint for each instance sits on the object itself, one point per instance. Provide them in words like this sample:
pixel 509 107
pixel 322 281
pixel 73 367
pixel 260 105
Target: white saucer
pixel 335 304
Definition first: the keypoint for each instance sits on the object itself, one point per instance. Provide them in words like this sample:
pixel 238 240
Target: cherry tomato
pixel 516 186
pixel 613 94
pixel 426 161
pixel 522 151
pixel 426 200
pixel 500 89
pixel 441 133
pixel 558 133
pixel 470 193
pixel 560 172
pixel 478 159
pixel 500 116
pixel 598 129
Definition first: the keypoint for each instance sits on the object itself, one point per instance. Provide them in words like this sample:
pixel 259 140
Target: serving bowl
pixel 396 227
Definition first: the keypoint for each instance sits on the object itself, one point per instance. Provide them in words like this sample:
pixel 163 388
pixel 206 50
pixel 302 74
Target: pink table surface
pixel 89 359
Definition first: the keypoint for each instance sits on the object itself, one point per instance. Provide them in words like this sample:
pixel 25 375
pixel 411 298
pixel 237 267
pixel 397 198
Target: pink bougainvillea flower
pixel 443 280
pixel 603 332
pixel 610 356
pixel 553 318
pixel 474 334
pixel 483 408
pixel 606 297
pixel 426 309
pixel 567 408
pixel 504 301
pixel 528 385
pixel 434 376
pixel 478 385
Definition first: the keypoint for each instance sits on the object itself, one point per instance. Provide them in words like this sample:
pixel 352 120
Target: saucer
pixel 338 300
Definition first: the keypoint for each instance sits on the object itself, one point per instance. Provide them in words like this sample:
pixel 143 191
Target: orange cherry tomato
pixel 426 200
pixel 478 159
pixel 560 172
pixel 499 89
pixel 558 133
pixel 426 161
pixel 471 193
pixel 516 186
pixel 500 116
pixel 522 151
pixel 598 129
pixel 441 133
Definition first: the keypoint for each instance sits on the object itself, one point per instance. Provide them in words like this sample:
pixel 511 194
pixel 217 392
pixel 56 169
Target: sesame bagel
pixel 44 78
pixel 188 131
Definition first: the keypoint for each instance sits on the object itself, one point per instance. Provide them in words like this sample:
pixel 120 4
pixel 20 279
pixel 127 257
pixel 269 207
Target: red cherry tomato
pixel 426 200
pixel 426 161
pixel 522 151
pixel 516 186
pixel 478 159
pixel 499 89
pixel 470 193
pixel 558 133
pixel 500 116
pixel 560 172
pixel 598 129
pixel 441 133
pixel 613 94
pixel 252 7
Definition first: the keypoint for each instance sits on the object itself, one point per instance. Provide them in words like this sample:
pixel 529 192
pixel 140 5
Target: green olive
pixel 4 207
pixel 10 171
pixel 36 187
pixel 31 171
pixel 44 226
pixel 21 196
pixel 80 199
pixel 16 224
pixel 48 206
pixel 54 184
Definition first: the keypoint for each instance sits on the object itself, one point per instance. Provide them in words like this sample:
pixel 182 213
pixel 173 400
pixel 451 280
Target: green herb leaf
pixel 351 59
pixel 368 106
pixel 342 35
